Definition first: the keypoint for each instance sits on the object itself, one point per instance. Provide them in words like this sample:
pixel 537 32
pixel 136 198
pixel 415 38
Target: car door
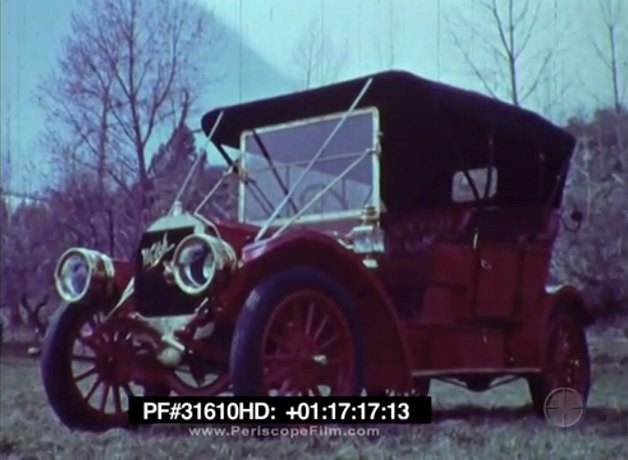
pixel 497 278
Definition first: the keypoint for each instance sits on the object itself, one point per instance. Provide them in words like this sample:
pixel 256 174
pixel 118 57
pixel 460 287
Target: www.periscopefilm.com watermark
pixel 283 432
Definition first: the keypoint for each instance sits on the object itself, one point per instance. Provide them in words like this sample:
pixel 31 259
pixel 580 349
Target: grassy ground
pixel 496 424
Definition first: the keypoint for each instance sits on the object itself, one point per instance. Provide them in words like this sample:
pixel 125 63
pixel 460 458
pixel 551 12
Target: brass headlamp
pixel 82 271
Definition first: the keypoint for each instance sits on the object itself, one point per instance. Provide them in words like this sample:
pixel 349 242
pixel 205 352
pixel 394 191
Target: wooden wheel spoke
pixel 83 358
pixel 309 318
pixel 328 342
pixel 127 389
pixel 92 323
pixel 87 341
pixel 285 387
pixel 112 337
pixel 103 397
pixel 92 389
pixel 315 391
pixel 183 370
pixel 116 399
pixel 321 327
pixel 97 327
pixel 83 375
pixel 298 319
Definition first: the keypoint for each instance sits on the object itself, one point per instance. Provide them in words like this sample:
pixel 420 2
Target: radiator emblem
pixel 152 255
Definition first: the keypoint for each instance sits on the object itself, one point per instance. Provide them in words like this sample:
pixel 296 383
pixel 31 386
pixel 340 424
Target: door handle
pixel 476 236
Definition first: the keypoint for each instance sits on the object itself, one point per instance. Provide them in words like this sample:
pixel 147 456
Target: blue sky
pixel 33 32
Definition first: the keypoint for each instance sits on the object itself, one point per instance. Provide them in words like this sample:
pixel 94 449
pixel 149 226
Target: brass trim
pixel 101 272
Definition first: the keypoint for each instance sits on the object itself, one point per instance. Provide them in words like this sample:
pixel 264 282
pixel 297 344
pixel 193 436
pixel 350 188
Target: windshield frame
pixel 374 152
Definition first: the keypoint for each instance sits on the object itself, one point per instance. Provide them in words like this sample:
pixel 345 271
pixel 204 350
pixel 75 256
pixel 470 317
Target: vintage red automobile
pixel 389 230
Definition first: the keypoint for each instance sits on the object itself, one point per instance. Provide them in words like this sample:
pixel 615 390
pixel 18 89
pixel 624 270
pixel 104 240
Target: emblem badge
pixel 152 255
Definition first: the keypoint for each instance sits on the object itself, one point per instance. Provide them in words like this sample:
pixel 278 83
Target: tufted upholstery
pixel 412 233
pixel 522 224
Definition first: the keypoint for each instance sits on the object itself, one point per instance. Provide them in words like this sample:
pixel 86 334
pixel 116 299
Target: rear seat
pixel 515 225
pixel 414 232
pixel 411 234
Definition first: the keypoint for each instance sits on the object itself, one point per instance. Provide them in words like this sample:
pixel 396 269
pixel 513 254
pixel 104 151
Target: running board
pixel 485 370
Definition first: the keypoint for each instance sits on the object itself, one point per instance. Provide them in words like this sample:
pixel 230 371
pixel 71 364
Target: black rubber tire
pixel 246 370
pixel 538 385
pixel 59 385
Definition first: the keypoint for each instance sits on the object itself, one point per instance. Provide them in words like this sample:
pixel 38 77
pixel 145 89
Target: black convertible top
pixel 429 130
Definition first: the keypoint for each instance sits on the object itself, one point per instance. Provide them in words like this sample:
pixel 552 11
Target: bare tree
pixel 128 72
pixel 316 56
pixel 33 313
pixel 504 38
pixel 613 16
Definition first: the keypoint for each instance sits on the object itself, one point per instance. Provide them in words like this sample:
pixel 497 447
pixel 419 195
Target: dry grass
pixel 496 424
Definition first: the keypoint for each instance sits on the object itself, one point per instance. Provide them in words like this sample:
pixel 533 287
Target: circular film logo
pixel 563 407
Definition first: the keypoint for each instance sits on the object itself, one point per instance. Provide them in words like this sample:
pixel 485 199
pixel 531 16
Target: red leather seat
pixel 524 224
pixel 412 233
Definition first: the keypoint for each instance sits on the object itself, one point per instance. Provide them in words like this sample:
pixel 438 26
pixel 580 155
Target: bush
pixel 595 257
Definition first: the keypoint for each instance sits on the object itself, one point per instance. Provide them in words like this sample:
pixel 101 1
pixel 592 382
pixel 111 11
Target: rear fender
pixel 386 352
pixel 560 299
pixel 566 298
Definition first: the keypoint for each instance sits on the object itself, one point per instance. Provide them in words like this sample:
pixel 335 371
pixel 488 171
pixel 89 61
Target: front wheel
pixel 84 384
pixel 298 335
pixel 565 363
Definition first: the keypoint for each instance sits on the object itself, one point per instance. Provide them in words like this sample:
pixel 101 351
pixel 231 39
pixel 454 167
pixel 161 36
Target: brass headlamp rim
pixel 176 267
pixel 211 242
pixel 100 267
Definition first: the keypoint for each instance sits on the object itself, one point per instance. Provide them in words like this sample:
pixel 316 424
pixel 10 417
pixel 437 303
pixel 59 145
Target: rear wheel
pixel 565 363
pixel 297 334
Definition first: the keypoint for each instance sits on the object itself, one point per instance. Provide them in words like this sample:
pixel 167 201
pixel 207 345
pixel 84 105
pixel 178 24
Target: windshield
pixel 275 158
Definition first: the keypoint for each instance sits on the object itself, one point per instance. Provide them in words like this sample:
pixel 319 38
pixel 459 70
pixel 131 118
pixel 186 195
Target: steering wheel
pixel 311 190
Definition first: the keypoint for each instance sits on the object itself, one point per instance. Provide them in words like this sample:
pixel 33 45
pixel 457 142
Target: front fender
pixel 386 351
pixel 123 274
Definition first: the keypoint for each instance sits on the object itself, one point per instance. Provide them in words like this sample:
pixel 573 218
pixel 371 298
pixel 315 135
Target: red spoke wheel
pixel 565 361
pixel 297 335
pixel 421 388
pixel 83 368
pixel 192 381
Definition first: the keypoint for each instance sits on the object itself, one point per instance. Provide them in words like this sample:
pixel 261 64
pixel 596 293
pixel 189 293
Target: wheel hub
pixel 304 362
pixel 111 355
pixel 306 346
